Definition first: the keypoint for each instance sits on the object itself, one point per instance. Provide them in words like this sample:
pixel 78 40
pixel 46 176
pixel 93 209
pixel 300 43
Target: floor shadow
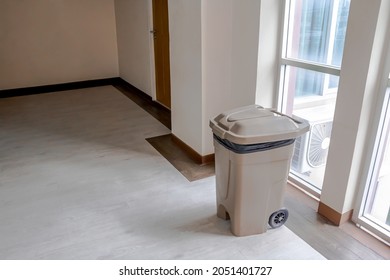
pixel 209 225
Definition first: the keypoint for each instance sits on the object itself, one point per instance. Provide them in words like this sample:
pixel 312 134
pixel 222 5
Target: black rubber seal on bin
pixel 252 148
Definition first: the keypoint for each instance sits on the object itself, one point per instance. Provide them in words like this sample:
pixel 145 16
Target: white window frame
pixel 284 62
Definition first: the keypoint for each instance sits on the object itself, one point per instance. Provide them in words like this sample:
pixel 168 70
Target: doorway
pixel 161 52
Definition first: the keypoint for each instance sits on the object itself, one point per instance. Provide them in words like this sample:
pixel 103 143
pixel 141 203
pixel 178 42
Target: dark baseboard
pixel 199 159
pixel 139 97
pixel 120 83
pixel 127 88
pixel 58 87
pixel 145 101
pixel 332 215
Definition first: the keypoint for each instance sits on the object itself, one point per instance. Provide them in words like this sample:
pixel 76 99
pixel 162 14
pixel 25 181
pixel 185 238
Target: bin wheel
pixel 278 218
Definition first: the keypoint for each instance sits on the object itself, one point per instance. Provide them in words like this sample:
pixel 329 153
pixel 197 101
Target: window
pixel 374 213
pixel 310 67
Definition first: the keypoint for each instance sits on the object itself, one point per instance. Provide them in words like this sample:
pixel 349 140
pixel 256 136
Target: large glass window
pixel 312 54
pixel 316 30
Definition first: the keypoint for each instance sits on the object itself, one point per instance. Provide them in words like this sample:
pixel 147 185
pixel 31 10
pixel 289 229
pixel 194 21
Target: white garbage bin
pixel 253 151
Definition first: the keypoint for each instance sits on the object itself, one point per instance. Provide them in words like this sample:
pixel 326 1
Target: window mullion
pixel 311 66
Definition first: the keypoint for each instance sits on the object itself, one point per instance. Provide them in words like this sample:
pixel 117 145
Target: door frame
pixel 152 54
pixel 151 51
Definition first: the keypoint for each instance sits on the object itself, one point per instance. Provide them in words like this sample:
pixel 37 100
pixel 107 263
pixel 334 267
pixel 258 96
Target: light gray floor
pixel 79 181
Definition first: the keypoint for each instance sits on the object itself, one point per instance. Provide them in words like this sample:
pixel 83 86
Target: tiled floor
pixel 79 181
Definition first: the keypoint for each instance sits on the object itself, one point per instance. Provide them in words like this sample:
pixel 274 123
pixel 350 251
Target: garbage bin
pixel 253 150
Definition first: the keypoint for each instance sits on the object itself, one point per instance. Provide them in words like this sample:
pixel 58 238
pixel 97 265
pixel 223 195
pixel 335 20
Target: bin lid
pixel 255 124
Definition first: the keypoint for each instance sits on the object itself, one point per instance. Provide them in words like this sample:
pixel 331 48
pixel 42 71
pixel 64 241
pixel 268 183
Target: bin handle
pixel 284 115
pixel 217 129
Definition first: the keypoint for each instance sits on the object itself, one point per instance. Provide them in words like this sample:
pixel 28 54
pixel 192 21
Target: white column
pixel 185 21
pixel 214 50
pixel 361 79
pixel 271 21
pixel 230 35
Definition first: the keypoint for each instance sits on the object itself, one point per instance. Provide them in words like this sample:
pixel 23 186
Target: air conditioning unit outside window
pixel 311 149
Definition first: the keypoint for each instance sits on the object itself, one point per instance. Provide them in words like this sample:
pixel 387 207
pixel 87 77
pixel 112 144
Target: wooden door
pixel 161 52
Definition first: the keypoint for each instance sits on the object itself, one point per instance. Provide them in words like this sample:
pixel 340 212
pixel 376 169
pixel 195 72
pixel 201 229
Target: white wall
pixel 230 38
pixel 49 42
pixel 134 52
pixel 271 19
pixel 216 64
pixel 245 29
pixel 214 48
pixel 186 71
